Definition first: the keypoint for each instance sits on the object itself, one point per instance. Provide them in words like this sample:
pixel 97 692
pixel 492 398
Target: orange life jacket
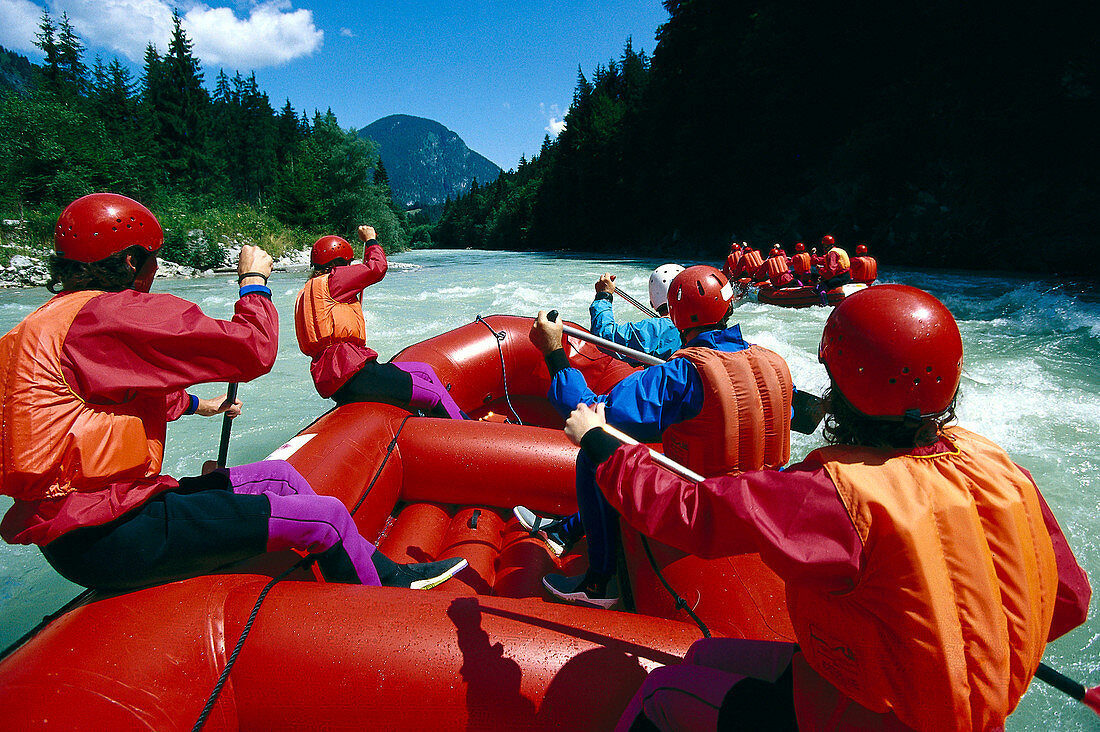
pixel 745 422
pixel 52 442
pixel 800 262
pixel 949 619
pixel 320 320
pixel 751 262
pixel 729 269
pixel 864 269
pixel 777 267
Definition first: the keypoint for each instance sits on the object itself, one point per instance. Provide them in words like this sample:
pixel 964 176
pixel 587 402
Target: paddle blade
pixel 1092 699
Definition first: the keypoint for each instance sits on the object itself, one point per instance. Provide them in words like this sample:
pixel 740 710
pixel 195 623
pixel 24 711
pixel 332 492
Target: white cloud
pixel 273 33
pixel 556 125
pixel 347 33
pixel 19 26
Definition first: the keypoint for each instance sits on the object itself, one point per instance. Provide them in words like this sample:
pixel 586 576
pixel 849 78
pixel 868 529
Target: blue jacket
pixel 655 336
pixel 647 402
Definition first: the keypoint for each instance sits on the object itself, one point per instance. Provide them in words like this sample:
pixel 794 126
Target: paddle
pixel 1088 697
pixel 584 335
pixel 227 425
pixel 807 407
pixel 636 304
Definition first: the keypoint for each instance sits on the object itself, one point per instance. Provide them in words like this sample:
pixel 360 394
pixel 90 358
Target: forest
pixel 941 134
pixel 223 163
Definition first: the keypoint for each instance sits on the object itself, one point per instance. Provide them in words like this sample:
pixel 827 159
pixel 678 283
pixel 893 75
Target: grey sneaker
pixel 582 590
pixel 426 575
pixel 549 530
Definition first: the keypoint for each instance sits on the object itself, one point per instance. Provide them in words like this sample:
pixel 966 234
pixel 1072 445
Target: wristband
pixel 242 277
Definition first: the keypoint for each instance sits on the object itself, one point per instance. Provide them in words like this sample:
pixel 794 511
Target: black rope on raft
pixel 503 371
pixel 681 604
pixel 301 563
pixel 389 451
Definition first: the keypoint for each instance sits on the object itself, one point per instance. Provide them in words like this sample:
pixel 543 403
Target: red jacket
pixel 126 346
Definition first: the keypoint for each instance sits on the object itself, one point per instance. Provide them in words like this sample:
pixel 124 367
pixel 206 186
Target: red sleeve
pixel 345 283
pixel 793 518
pixel 1071 606
pixel 178 404
pixel 126 342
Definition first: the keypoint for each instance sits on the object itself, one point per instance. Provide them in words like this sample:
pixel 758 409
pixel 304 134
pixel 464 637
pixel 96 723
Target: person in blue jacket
pixel 655 336
pixel 644 404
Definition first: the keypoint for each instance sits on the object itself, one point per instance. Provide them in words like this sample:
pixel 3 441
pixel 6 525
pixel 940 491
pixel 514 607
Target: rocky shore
pixel 28 271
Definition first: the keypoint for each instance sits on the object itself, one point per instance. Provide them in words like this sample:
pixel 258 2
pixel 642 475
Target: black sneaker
pixel 549 530
pixel 425 575
pixel 582 590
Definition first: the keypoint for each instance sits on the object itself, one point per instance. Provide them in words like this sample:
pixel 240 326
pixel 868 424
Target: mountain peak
pixel 425 161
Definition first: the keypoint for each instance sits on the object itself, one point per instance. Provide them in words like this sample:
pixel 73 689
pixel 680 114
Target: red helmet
pixel 828 240
pixel 861 248
pixel 330 248
pixel 700 295
pixel 800 247
pixel 893 351
pixel 101 224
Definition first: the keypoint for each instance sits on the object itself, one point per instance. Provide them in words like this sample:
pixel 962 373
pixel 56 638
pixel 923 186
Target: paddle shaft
pixel 227 426
pixel 584 335
pixel 1044 673
pixel 637 304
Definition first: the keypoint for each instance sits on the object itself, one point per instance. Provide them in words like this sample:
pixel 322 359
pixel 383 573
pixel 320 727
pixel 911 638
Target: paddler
pixel 717 386
pixel 924 571
pixel 801 264
pixel 90 381
pixel 655 336
pixel 834 269
pixel 328 321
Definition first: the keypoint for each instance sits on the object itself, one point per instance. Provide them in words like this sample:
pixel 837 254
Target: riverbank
pixel 33 271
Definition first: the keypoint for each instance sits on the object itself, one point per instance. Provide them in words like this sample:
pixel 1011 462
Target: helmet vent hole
pixel 939 379
pixel 893 380
pixel 700 286
pixel 916 381
pixel 905 370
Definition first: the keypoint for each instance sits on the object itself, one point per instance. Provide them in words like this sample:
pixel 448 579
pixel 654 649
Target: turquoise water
pixel 1031 385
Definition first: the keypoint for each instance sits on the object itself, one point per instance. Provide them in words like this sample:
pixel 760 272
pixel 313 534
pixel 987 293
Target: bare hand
pixel 366 233
pixel 254 259
pixel 546 334
pixel 210 407
pixel 582 419
pixel 606 283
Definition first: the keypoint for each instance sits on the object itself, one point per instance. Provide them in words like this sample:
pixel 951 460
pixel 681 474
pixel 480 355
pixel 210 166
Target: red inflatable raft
pixel 486 650
pixel 804 297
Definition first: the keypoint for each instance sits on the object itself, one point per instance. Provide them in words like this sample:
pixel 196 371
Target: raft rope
pixel 503 371
pixel 389 451
pixel 681 603
pixel 301 563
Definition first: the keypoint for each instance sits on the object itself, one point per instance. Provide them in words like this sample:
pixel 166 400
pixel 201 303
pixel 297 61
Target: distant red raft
pixel 487 650
pixel 804 297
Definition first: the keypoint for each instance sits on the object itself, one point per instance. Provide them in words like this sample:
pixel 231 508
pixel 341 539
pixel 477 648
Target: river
pixel 1031 384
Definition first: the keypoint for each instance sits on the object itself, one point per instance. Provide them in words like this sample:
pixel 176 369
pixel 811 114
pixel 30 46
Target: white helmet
pixel 659 281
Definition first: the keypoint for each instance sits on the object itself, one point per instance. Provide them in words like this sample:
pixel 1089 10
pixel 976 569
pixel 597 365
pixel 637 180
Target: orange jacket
pixel 949 619
pixel 53 441
pixel 320 320
pixel 864 269
pixel 750 264
pixel 729 269
pixel 800 262
pixel 779 272
pixel 745 421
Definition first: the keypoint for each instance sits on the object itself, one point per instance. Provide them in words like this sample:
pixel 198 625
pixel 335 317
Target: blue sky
pixel 499 73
